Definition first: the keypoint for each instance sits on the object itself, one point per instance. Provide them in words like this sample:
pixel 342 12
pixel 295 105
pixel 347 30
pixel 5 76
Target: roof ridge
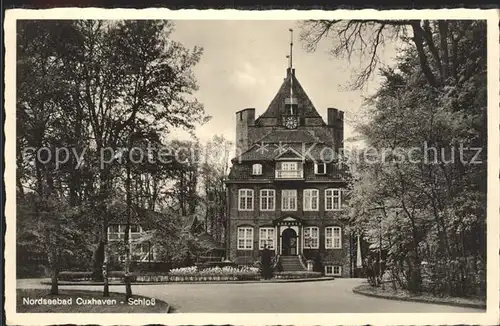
pixel 289 149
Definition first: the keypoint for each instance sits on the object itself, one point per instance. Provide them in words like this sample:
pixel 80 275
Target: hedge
pixel 88 276
pixel 298 274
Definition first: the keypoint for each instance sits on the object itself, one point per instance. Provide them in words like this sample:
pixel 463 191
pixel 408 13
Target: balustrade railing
pixel 289 174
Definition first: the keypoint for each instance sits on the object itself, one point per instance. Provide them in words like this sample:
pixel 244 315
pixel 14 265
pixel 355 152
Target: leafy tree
pixel 86 86
pixel 48 226
pixel 213 172
pixel 426 207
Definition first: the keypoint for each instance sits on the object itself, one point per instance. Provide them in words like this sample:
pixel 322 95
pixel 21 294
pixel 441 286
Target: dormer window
pixel 257 169
pixel 320 168
pixel 289 170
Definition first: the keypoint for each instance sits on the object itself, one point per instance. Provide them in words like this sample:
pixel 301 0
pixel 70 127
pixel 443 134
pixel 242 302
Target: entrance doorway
pixel 289 242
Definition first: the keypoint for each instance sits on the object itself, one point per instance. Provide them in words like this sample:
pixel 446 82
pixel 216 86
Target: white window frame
pixel 269 240
pixel 121 232
pixel 290 166
pixel 244 194
pixel 308 199
pixel 333 243
pixel 288 200
pixel 247 238
pixel 316 168
pixel 268 196
pixel 333 270
pixel 312 235
pixel 257 169
pixel 333 195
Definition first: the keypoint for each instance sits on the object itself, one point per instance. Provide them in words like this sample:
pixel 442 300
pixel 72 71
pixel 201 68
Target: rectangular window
pixel 267 199
pixel 257 169
pixel 311 199
pixel 333 270
pixel 289 200
pixel 245 199
pixel 266 237
pixel 289 170
pixel 311 237
pixel 117 231
pixel 332 199
pixel 289 166
pixel 114 232
pixel 333 237
pixel 320 168
pixel 135 231
pixel 245 238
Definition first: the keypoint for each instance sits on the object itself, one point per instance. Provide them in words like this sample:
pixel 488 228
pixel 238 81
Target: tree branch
pixel 424 65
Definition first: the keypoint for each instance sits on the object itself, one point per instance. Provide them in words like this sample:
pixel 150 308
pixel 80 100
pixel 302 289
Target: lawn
pixel 70 301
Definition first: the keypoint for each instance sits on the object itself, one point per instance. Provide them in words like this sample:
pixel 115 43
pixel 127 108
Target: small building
pixel 286 187
pixel 143 244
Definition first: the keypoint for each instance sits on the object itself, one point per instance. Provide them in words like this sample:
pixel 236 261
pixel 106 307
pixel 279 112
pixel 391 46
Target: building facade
pixel 286 187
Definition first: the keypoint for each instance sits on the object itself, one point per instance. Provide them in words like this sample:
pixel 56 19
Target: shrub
pixel 88 276
pixel 318 264
pixel 75 276
pixel 34 270
pixel 140 266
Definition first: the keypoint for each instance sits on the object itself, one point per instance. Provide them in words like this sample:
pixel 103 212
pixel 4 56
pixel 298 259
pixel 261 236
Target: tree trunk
pixel 418 38
pixel 103 196
pixel 182 192
pixel 98 260
pixel 128 286
pixel 54 287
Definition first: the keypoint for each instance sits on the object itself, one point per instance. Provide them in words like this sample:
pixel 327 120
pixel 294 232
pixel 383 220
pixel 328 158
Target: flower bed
pixel 296 275
pixel 189 274
pixel 115 276
pixel 192 274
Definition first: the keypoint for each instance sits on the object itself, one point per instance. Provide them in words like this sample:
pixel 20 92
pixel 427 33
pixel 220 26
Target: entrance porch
pixel 289 240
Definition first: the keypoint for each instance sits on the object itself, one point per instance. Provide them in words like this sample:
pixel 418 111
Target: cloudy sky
pixel 244 63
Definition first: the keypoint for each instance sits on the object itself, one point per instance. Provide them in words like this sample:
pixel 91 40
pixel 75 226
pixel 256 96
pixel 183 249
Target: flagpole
pixel 291 71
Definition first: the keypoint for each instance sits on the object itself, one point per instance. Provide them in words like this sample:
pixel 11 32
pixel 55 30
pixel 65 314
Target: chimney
pixel 244 119
pixel 336 123
pixel 332 117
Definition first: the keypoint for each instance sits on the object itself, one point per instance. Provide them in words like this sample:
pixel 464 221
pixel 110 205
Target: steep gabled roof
pixel 277 107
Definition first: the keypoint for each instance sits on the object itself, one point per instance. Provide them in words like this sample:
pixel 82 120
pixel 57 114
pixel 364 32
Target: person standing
pixel 266 263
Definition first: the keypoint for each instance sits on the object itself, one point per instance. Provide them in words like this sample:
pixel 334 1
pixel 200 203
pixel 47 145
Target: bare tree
pixel 436 43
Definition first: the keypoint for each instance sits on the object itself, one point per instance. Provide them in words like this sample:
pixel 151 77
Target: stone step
pixel 291 264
